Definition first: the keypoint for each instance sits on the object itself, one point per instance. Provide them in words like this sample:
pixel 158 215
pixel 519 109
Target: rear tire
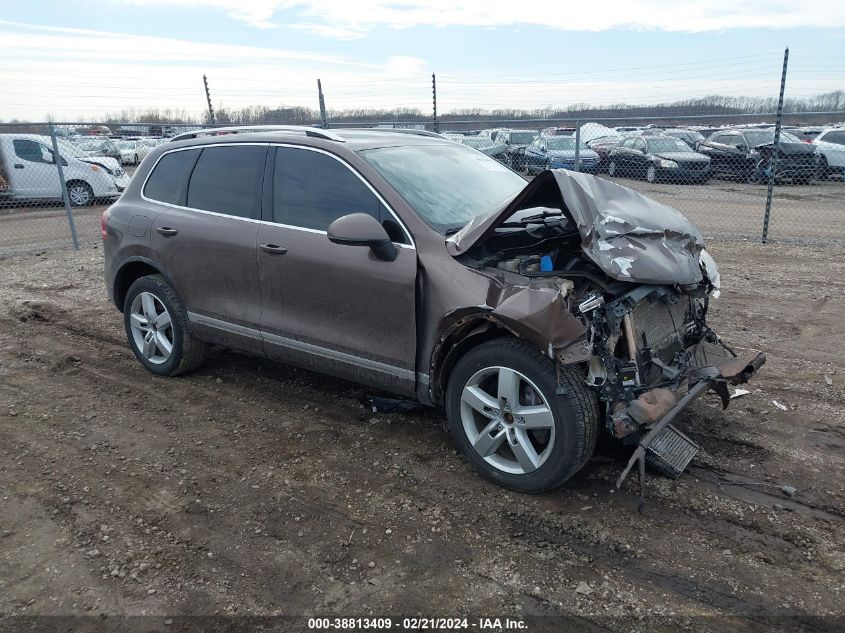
pixel 548 436
pixel 163 343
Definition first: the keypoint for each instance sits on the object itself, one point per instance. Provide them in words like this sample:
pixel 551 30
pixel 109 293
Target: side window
pixel 166 183
pixel 719 138
pixel 32 151
pixel 311 190
pixel 227 179
pixel 639 145
pixel 835 137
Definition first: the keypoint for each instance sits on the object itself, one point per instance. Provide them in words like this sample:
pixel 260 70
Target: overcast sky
pixel 83 58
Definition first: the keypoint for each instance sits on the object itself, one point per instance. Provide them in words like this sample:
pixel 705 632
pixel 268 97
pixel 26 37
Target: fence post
pixel 323 118
pixel 435 125
pixel 58 158
pixel 208 99
pixel 577 145
pixel 773 161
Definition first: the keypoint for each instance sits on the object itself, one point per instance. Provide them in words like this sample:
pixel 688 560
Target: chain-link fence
pixel 722 172
pixel 48 203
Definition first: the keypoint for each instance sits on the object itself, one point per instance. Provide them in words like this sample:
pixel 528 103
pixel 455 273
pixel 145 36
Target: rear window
pixel 227 179
pixel 169 175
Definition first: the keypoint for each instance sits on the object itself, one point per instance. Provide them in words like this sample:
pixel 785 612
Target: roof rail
pixel 398 130
pixel 256 129
pixel 406 130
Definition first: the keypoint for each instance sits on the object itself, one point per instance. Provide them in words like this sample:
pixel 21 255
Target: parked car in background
pixel 29 165
pixel 806 134
pixel 558 152
pixel 99 146
pixel 538 316
pixel 690 137
pixel 132 152
pixel 658 158
pixel 602 146
pixel 516 141
pixel 745 154
pixel 483 144
pixel 830 147
pixel 558 131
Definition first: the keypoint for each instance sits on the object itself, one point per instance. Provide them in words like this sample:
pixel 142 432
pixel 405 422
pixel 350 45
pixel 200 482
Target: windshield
pixel 667 144
pixel 125 144
pixel 476 142
pixel 762 137
pixel 522 138
pixel 562 142
pixel 447 185
pixel 66 148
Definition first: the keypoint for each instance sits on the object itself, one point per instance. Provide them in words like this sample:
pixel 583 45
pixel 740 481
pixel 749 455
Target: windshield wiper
pixel 452 231
pixel 548 218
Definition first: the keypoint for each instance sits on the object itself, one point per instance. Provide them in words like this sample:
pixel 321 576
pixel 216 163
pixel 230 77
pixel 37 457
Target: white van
pixel 28 171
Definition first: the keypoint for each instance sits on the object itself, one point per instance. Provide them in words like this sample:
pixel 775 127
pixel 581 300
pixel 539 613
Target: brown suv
pixel 537 315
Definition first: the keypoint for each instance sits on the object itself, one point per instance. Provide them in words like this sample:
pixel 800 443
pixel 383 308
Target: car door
pixel 717 150
pixel 535 156
pixel 733 154
pixel 639 159
pixel 33 172
pixel 335 308
pixel 205 238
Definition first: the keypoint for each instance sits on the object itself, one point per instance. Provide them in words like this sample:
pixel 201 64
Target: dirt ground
pixel 252 488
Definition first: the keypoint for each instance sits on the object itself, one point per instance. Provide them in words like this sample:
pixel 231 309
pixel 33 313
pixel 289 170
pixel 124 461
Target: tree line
pixel 714 105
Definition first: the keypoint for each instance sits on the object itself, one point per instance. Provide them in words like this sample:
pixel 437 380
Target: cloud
pixel 347 19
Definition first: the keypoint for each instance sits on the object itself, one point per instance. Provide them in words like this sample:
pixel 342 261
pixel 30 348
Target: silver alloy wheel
pixel 611 168
pixel 152 328
pixel 79 194
pixel 507 420
pixel 651 173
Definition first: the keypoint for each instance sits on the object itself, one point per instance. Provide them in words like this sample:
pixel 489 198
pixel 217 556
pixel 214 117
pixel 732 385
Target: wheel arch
pixel 461 336
pixel 131 270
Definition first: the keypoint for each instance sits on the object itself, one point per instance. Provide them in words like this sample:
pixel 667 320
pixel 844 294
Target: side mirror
pixel 360 229
pixel 740 146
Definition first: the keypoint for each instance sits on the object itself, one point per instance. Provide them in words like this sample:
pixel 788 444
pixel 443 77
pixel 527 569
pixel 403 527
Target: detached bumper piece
pixel 670 450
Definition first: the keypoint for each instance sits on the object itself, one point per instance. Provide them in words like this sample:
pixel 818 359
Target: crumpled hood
pixel 629 236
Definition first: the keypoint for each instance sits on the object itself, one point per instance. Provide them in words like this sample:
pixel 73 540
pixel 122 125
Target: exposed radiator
pixel 664 325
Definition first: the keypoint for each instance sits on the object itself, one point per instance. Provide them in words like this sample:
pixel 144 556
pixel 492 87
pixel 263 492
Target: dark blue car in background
pixel 558 152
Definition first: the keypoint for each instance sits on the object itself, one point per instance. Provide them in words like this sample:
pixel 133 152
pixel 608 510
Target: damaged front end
pixel 618 285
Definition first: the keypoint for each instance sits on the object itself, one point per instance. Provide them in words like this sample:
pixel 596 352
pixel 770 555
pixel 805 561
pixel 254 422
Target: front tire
pixel 156 324
pixel 611 168
pixel 80 194
pixel 651 173
pixel 509 422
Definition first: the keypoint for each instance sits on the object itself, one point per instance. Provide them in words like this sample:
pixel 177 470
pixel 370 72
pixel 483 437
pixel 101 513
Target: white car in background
pixel 28 171
pixel 132 152
pixel 830 145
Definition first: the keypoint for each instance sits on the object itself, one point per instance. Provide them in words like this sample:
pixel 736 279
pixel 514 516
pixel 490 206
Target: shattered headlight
pixel 711 271
pixel 667 164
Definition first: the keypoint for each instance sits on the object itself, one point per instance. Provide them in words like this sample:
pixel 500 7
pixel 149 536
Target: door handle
pixel 273 249
pixel 18 166
pixel 166 231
